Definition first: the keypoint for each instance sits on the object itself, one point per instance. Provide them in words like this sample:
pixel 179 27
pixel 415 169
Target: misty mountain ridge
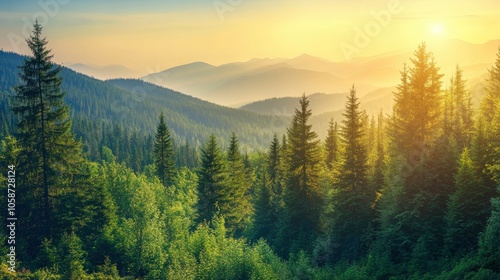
pixel 261 78
pixel 105 72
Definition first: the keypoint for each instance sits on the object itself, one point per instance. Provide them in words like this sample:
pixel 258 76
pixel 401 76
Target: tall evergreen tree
pixel 411 198
pixel 269 194
pixel 467 209
pixel 164 153
pixel 303 193
pixel 273 158
pixel 331 144
pixel 350 220
pixel 458 110
pixel 211 179
pixel 50 160
pixel 486 138
pixel 72 257
pixel 235 197
pixel 489 244
pixel 263 219
pixel 275 171
pixel 488 104
pixel 377 176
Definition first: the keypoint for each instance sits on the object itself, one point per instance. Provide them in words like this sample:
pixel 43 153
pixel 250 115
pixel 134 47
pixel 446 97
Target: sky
pixel 152 35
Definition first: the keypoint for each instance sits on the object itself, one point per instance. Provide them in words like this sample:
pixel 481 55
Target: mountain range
pixel 137 105
pixel 265 91
pixel 239 83
pixel 105 72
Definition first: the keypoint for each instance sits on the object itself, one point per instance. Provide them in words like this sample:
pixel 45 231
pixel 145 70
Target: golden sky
pixel 161 34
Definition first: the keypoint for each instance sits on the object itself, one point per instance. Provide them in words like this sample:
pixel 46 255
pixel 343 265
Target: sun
pixel 437 29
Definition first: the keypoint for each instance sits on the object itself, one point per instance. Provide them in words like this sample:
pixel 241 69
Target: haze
pixel 150 36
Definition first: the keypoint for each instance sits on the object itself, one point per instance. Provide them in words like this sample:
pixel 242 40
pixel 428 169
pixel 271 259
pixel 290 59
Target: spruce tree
pixel 234 197
pixel 211 179
pixel 352 200
pixel 303 193
pixel 275 171
pixel 467 209
pixel 486 137
pixel 460 110
pixel 263 220
pixel 51 165
pixel 164 153
pixel 72 257
pixel 331 144
pixel 269 194
pixel 489 244
pixel 377 176
pixel 488 104
pixel 411 197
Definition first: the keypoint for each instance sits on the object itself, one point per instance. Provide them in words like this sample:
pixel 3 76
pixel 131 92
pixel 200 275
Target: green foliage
pixel 467 214
pixel 488 104
pixel 268 196
pixel 303 193
pixel 376 178
pixel 489 244
pixel 51 166
pixel 264 215
pixel 412 201
pixel 458 121
pixel 180 205
pixel 47 256
pixel 164 153
pixel 235 203
pixel 350 216
pixel 108 270
pixel 211 180
pixel 331 144
pixel 136 239
pixel 72 257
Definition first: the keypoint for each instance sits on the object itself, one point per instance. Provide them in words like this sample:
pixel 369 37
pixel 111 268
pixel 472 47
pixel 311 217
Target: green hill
pixel 136 105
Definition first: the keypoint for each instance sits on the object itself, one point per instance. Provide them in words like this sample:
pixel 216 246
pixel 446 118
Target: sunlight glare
pixel 437 29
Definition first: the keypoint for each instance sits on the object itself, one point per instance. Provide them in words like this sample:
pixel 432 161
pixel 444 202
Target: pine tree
pixel 377 177
pixel 164 153
pixel 489 244
pixel 50 161
pixel 488 104
pixel 467 209
pixel 211 179
pixel 411 197
pixel 355 154
pixel 72 256
pixel 418 105
pixel 274 170
pixel 486 138
pixel 303 193
pixel 263 219
pixel 331 144
pixel 235 199
pixel 269 194
pixel 351 217
pixel 47 256
pixel 458 110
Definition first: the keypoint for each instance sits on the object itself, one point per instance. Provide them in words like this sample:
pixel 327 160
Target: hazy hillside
pixel 105 72
pixel 257 79
pixel 319 102
pixel 136 105
pixel 242 82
